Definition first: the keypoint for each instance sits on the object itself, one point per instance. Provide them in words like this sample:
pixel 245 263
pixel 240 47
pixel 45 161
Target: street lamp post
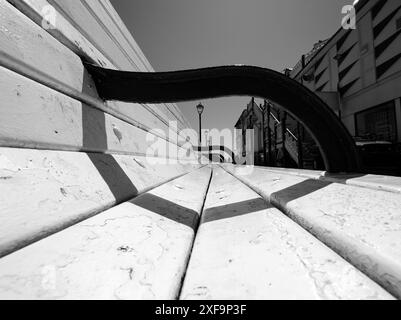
pixel 200 109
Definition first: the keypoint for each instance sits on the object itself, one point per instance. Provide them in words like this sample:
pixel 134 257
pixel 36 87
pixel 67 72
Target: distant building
pixel 251 118
pixel 278 139
pixel 357 72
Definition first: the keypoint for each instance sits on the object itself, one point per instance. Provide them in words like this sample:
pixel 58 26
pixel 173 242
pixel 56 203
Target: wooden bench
pixel 360 220
pixel 136 250
pixel 87 213
pixel 246 247
pixel 66 155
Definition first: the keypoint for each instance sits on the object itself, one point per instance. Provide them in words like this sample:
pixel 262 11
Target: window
pixel 378 123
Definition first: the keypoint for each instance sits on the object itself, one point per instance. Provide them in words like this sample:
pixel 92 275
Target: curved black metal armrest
pixel 337 146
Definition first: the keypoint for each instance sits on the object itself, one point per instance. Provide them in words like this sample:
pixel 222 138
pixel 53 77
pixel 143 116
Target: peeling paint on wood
pixel 247 249
pixel 137 250
pixel 362 225
pixel 60 188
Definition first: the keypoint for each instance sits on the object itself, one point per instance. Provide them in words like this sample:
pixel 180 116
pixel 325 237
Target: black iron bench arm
pixel 337 146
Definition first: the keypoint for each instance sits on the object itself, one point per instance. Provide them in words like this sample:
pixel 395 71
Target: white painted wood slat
pixel 34 116
pixel 53 65
pixel 72 19
pixel 29 50
pixel 45 191
pixel 137 250
pixel 370 181
pixel 362 225
pixel 246 249
pixel 105 16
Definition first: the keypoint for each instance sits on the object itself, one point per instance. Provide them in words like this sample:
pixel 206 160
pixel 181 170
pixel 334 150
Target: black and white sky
pixel 187 34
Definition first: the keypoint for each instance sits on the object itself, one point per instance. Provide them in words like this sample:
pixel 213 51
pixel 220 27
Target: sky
pixel 188 34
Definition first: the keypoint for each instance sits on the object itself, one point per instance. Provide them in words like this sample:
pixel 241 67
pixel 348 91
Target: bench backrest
pixel 64 153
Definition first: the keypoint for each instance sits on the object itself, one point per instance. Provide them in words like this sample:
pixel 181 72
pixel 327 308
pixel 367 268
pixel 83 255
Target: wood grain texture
pixel 42 192
pixel 34 116
pixel 105 17
pixel 137 250
pixel 116 20
pixel 72 34
pixel 247 248
pixel 32 52
pixel 370 181
pixel 361 225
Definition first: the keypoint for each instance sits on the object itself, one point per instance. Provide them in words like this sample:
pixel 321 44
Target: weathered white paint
pixel 137 250
pixel 108 53
pixel 34 116
pixel 371 181
pixel 362 225
pixel 375 182
pixel 28 44
pixel 29 50
pixel 110 38
pixel 132 251
pixel 97 15
pixel 314 174
pixel 109 9
pixel 45 191
pixel 246 249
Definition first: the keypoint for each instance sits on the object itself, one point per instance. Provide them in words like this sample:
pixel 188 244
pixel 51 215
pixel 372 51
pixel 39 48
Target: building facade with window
pixel 358 72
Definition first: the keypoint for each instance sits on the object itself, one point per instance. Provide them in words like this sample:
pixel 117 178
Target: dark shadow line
pixel 94 135
pixel 233 210
pixel 299 190
pixel 113 175
pixel 293 192
pixel 179 291
pixel 168 209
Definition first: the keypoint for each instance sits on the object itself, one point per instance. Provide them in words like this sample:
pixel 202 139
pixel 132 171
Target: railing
pixel 291 145
pixel 291 141
pixel 337 146
pixel 209 151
